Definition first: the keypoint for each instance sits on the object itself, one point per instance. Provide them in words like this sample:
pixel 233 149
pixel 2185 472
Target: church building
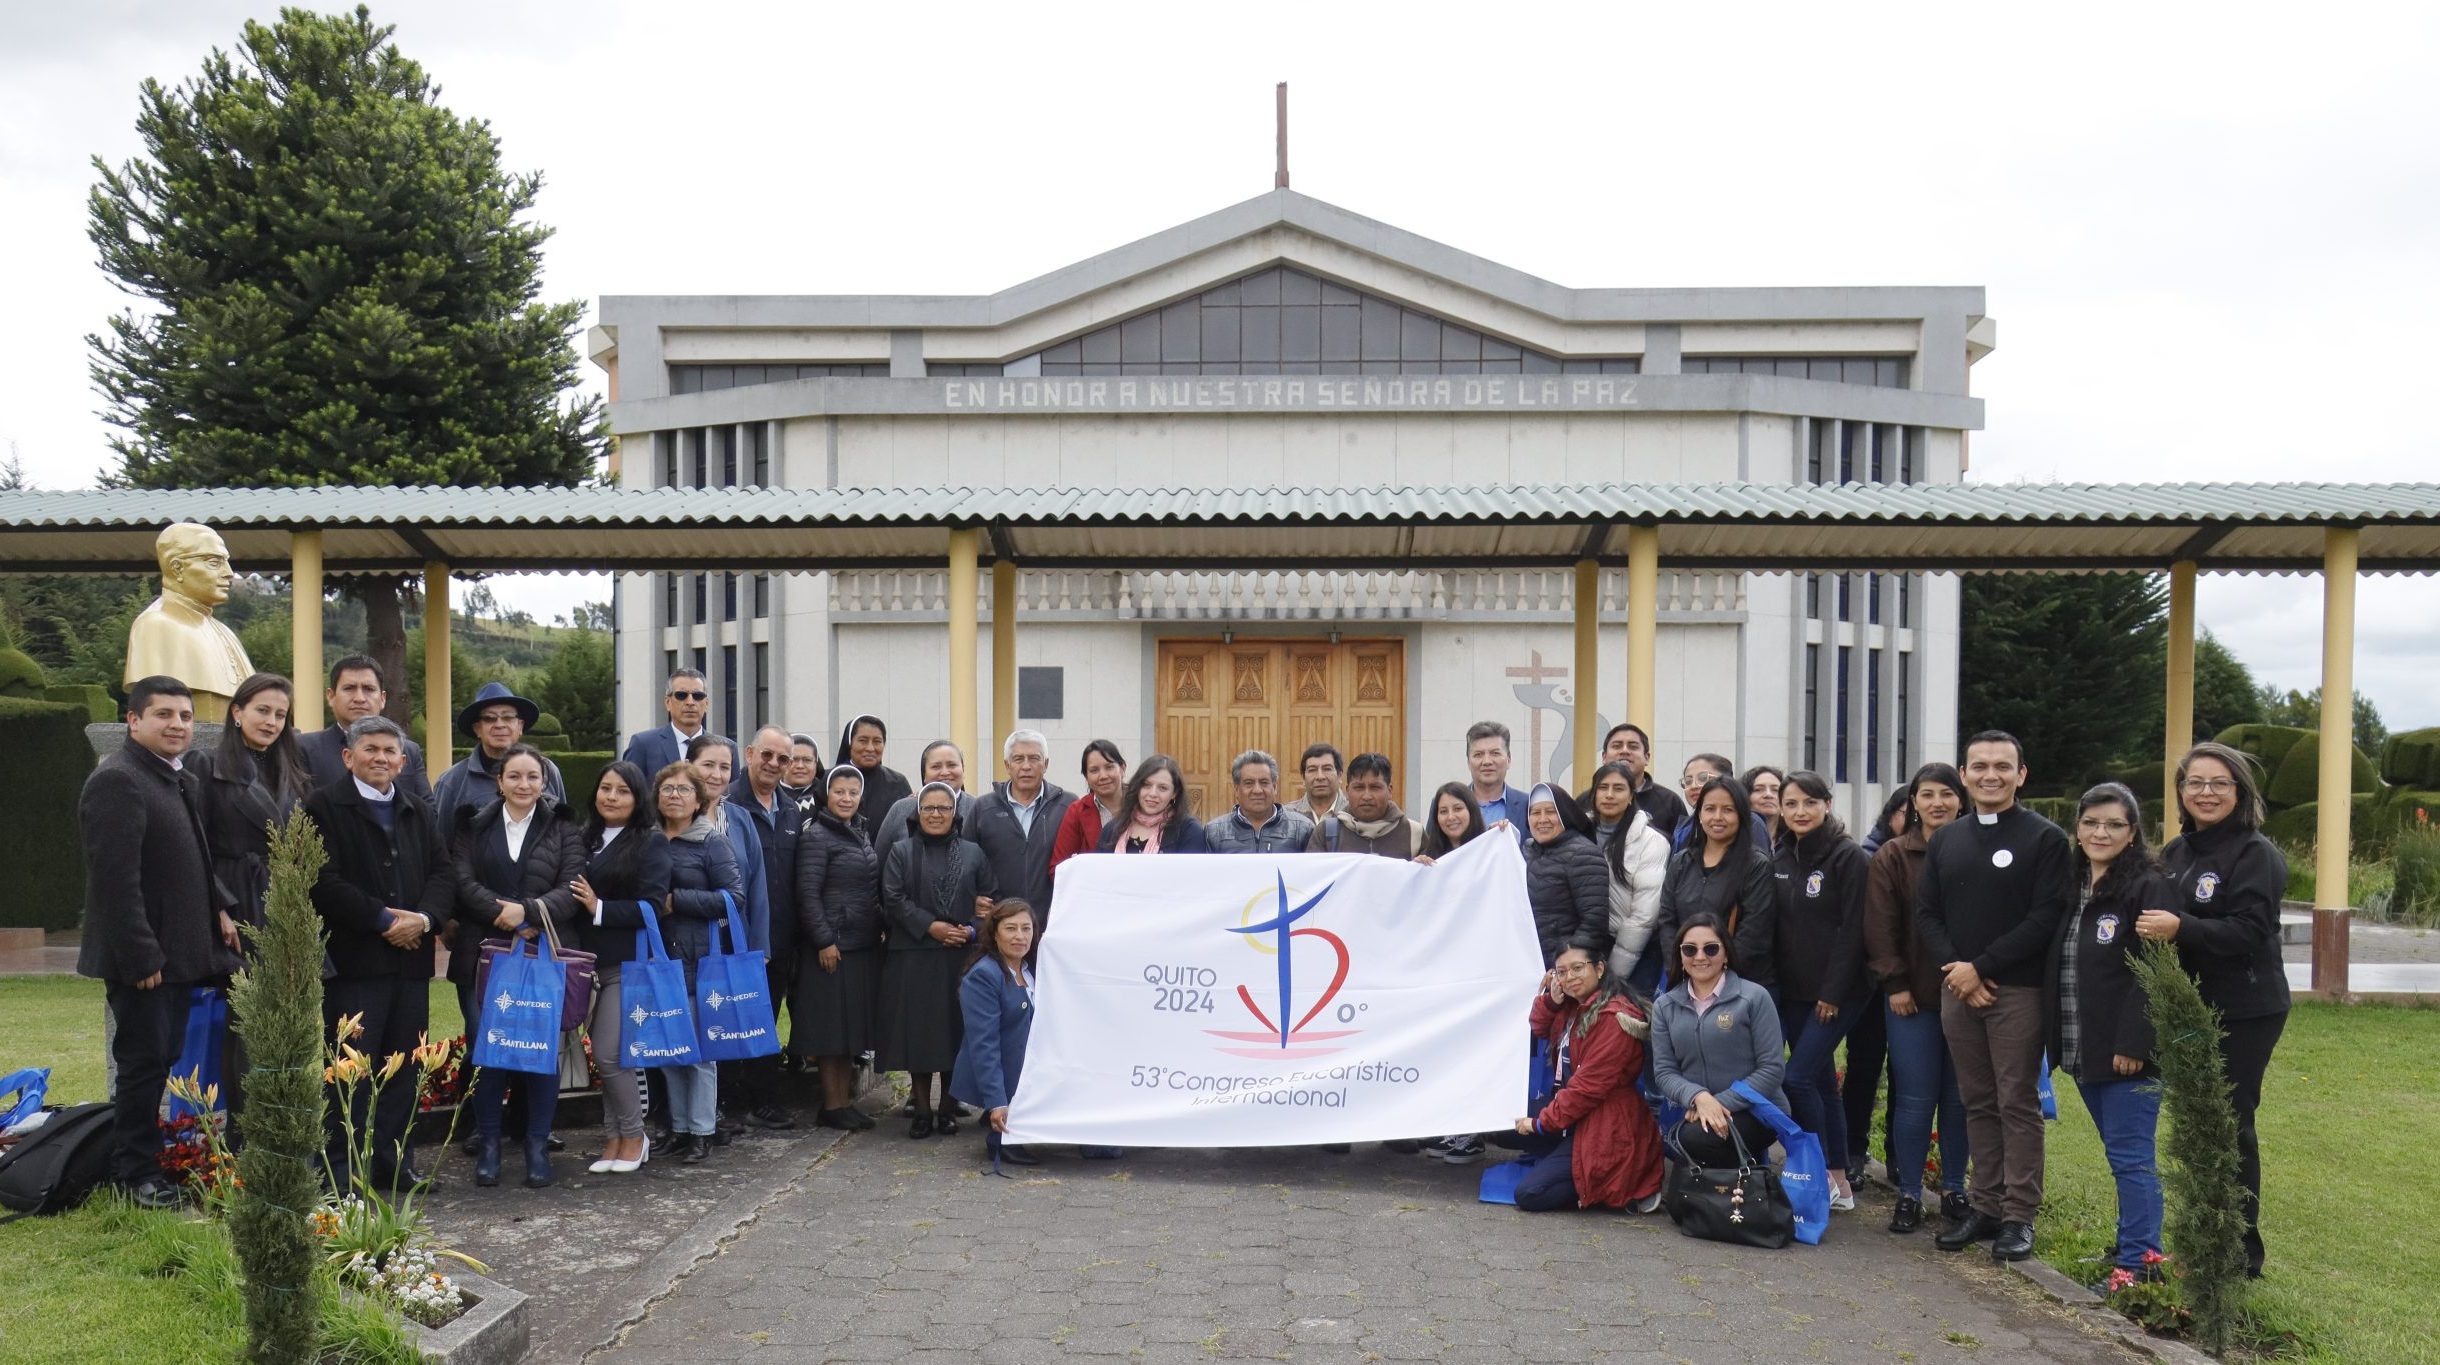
pixel 1284 343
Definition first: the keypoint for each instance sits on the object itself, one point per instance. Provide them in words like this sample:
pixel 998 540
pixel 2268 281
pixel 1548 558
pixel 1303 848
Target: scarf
pixel 1138 829
pixel 1374 829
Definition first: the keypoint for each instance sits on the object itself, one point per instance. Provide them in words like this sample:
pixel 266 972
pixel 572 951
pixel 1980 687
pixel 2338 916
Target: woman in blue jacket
pixel 704 886
pixel 997 1000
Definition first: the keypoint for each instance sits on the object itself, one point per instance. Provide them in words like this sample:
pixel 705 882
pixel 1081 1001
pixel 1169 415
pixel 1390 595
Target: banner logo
pixel 1284 1031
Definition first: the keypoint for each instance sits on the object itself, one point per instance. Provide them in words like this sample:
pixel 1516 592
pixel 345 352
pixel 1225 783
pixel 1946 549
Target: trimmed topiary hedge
pixel 581 769
pixel 48 760
pixel 94 697
pixel 2411 758
pixel 2297 778
pixel 2269 743
pixel 20 676
pixel 2298 826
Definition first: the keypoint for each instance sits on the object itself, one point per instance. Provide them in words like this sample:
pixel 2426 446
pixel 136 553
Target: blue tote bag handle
pixel 649 946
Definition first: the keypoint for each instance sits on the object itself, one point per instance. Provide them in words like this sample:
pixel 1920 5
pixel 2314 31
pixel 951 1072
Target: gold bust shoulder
pixel 176 635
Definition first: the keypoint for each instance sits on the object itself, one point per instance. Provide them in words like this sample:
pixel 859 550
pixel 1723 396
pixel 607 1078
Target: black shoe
pixel 1954 1209
pixel 538 1162
pixel 1908 1216
pixel 473 1144
pixel 771 1116
pixel 921 1127
pixel 407 1177
pixel 1016 1155
pixel 847 1117
pixel 2015 1242
pixel 722 1137
pixel 152 1192
pixel 945 1124
pixel 1462 1151
pixel 1974 1227
pixel 669 1137
pixel 555 1143
pixel 957 1111
pixel 487 1161
pixel 694 1149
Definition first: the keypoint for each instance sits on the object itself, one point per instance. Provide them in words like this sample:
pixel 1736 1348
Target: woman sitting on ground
pixel 1600 1147
pixel 996 999
pixel 1711 1030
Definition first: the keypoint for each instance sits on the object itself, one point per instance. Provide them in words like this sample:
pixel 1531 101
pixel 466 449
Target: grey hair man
pixel 1017 822
pixel 1258 823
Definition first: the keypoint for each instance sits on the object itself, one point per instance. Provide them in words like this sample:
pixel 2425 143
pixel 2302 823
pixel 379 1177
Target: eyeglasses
pixel 1571 968
pixel 938 810
pixel 1699 949
pixel 692 696
pixel 2103 826
pixel 2213 786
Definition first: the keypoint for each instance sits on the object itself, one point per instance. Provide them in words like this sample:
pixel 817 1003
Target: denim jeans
pixel 1812 1076
pixel 491 1091
pixel 2127 1112
pixel 694 1097
pixel 1921 1081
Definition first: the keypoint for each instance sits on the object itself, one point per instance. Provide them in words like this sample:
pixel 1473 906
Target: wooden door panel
pixel 1219 700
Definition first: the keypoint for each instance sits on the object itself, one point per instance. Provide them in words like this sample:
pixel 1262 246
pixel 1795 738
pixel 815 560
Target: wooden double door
pixel 1221 698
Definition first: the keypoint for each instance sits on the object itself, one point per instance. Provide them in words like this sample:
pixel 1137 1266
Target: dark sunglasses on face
pixel 691 696
pixel 1698 950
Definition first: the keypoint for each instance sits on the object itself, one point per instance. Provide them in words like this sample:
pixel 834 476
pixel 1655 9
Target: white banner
pixel 1254 1000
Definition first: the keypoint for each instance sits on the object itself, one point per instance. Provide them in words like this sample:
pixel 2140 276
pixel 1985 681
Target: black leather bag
pixel 1743 1205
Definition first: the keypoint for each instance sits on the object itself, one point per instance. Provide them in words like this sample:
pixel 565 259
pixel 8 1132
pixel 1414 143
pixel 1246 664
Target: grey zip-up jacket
pixel 1737 1039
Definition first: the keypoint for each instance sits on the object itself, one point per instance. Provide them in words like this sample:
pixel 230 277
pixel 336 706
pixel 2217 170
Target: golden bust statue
pixel 176 635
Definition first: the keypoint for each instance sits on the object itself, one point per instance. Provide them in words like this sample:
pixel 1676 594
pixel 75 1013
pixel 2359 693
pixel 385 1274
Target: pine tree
pixel 2199 1167
pixel 339 288
pixel 276 1005
pixel 2069 663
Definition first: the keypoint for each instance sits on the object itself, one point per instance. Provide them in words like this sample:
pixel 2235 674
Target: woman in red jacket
pixel 1605 1150
pixel 1105 777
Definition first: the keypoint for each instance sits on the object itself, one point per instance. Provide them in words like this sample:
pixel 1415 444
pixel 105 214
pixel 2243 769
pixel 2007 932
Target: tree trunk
pixel 385 638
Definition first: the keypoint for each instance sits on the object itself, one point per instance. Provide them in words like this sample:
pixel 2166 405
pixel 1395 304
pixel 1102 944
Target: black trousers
pixel 2245 1049
pixel 471 1011
pixel 149 1027
pixel 397 1011
pixel 1867 1059
pixel 752 1084
pixel 1705 1149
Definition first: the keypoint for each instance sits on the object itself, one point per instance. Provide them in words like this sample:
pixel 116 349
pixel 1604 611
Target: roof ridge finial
pixel 1280 180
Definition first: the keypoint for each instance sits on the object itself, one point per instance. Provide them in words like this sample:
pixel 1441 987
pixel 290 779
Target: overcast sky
pixel 2207 234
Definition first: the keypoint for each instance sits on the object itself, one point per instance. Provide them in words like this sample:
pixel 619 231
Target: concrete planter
pixel 492 1330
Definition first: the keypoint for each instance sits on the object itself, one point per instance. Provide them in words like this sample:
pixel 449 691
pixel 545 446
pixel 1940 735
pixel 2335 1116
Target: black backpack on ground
pixel 58 1164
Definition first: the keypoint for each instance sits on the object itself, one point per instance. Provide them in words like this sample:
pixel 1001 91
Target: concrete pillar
pixel 1643 624
pixel 2178 734
pixel 2335 794
pixel 1588 672
pixel 964 548
pixel 305 629
pixel 438 727
pixel 1003 660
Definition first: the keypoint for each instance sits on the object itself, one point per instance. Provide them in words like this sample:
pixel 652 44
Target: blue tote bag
pixel 734 1016
pixel 656 1025
pixel 517 1028
pixel 1806 1177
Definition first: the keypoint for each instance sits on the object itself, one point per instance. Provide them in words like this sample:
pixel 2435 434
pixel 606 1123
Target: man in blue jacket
pixel 687 701
pixel 1487 744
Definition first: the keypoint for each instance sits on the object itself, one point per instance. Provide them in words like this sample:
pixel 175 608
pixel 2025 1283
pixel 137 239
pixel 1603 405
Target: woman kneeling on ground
pixel 1711 1030
pixel 1602 1149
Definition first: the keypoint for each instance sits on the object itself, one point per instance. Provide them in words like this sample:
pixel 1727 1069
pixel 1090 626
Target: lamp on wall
pixel 1228 637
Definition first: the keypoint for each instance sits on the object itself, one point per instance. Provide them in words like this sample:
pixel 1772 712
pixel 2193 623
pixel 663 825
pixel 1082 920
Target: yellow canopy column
pixel 2177 734
pixel 2332 919
pixel 1003 658
pixel 1643 624
pixel 964 569
pixel 305 629
pixel 1588 671
pixel 438 721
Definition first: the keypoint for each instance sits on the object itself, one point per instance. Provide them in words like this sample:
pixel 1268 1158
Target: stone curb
pixel 653 1281
pixel 493 1332
pixel 2089 1307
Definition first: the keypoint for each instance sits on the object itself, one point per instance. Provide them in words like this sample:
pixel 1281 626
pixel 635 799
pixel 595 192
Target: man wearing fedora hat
pixel 496 718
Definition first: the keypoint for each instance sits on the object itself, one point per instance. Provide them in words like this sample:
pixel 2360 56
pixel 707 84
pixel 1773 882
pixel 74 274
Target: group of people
pixel 1730 930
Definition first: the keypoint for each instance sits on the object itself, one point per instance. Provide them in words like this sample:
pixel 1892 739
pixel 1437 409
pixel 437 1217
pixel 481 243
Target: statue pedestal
pixel 109 739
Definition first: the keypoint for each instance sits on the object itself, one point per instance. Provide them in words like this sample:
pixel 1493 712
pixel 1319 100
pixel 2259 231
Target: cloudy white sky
pixel 2207 233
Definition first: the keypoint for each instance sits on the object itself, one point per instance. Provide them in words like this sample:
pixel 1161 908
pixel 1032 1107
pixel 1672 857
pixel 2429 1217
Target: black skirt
pixel 919 1021
pixel 833 1011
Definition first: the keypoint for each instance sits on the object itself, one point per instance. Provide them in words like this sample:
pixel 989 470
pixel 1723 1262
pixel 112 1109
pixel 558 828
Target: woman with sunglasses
pixel 1711 1030
pixel 2226 928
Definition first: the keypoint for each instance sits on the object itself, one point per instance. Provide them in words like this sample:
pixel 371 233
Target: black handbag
pixel 1743 1205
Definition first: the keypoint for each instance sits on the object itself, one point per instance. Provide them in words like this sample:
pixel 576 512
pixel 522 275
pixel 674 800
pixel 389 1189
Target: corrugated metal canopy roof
pixel 2223 526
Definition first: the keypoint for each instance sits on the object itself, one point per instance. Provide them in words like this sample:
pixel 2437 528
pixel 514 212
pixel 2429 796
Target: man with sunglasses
pixel 687 701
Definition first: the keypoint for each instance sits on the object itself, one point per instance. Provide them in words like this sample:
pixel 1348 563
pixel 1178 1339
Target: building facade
pixel 1284 342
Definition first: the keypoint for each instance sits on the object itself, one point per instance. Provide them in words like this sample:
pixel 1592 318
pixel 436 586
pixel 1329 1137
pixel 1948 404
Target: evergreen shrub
pixel 48 759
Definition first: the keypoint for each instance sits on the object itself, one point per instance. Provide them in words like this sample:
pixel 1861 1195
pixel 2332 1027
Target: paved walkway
pixel 887 1249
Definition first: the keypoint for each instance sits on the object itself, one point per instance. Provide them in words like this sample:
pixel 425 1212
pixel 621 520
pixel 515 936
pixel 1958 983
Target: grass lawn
pixel 2349 1120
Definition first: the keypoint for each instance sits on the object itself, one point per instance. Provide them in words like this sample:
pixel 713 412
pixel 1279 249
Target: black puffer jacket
pixel 1569 886
pixel 928 880
pixel 838 885
pixel 1743 892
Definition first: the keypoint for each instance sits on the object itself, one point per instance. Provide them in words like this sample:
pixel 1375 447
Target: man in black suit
pixel 154 924
pixel 356 691
pixel 688 702
pixel 384 896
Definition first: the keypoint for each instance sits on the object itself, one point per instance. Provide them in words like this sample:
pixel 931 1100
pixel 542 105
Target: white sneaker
pixel 1648 1204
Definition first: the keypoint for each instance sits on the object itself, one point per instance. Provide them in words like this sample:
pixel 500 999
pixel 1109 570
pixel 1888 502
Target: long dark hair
pixel 2247 812
pixel 1737 798
pixel 987 930
pixel 1615 851
pixel 1946 775
pixel 286 778
pixel 1103 747
pixel 646 820
pixel 1612 987
pixel 2137 860
pixel 1178 813
pixel 1435 843
pixel 1811 784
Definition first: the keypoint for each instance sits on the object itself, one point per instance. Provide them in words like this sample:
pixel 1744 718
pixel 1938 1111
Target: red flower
pixel 2153 1258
